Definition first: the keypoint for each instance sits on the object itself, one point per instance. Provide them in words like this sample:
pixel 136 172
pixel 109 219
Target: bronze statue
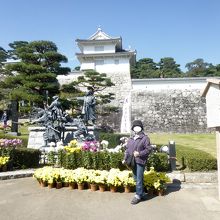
pixel 88 109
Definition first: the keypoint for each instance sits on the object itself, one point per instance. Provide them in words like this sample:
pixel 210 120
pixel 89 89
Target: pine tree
pixel 36 73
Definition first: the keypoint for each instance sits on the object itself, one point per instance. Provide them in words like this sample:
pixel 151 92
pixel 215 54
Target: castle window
pixel 99 62
pixel 116 62
pixel 99 48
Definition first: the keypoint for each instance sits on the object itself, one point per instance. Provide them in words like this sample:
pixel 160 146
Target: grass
pixel 205 142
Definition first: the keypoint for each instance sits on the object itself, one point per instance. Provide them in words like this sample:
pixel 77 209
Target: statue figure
pixel 55 120
pixel 51 134
pixel 55 108
pixel 82 131
pixel 88 109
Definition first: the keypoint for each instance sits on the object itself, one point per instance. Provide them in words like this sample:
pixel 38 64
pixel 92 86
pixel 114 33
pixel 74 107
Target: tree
pixel 200 68
pixel 145 68
pixel 36 73
pixel 3 58
pixel 169 68
pixel 77 68
pixel 91 79
pixel 3 72
pixel 68 96
pixel 98 82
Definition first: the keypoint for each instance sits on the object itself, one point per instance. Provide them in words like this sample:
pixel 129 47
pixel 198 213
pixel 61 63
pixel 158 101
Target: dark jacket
pixel 142 145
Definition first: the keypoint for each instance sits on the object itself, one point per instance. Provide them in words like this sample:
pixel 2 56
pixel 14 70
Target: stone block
pixel 195 177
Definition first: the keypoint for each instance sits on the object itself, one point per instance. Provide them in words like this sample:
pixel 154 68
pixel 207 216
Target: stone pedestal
pixel 36 139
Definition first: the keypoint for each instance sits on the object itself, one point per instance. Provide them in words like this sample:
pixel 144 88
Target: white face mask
pixel 137 129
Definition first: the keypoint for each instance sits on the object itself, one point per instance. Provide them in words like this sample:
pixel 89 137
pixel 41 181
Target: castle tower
pixel 105 54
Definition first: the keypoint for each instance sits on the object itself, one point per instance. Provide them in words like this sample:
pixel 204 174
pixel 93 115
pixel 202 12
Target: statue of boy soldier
pixel 88 109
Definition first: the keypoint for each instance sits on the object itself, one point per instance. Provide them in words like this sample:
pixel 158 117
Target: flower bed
pixel 20 157
pixel 10 142
pixel 49 175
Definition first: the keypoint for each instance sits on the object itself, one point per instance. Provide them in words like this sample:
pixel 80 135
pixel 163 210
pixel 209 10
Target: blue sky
pixel 182 29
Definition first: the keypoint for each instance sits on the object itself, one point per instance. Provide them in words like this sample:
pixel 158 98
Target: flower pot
pixel 43 184
pixel 113 189
pixel 50 185
pixel 93 186
pixel 65 184
pixel 102 188
pixel 72 185
pixel 127 189
pixel 161 192
pixel 80 186
pixel 59 185
pixel 39 181
pixel 87 186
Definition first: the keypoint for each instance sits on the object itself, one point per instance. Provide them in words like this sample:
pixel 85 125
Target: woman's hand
pixel 136 154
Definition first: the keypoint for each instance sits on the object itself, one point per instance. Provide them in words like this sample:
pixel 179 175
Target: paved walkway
pixel 23 199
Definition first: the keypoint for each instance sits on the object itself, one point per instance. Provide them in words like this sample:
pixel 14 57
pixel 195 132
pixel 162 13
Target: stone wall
pixel 178 111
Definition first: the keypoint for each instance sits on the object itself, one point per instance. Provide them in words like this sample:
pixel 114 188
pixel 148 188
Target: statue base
pixel 36 140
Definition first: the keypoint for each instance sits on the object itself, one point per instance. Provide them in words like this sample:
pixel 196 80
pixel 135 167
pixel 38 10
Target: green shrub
pixel 112 138
pixel 195 160
pixel 21 157
pixel 105 160
pixel 159 161
pixel 52 157
pixel 90 160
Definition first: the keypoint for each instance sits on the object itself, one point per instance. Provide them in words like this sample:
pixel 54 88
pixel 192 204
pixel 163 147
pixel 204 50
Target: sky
pixel 182 29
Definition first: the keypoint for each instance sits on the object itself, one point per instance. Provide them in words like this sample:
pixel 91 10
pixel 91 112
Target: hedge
pixel 21 158
pixel 195 160
pixel 112 138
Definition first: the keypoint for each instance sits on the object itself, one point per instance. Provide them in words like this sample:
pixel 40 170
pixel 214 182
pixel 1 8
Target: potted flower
pixel 150 177
pixel 71 179
pixel 127 180
pixel 57 177
pixel 160 184
pixel 81 177
pixel 113 179
pixel 92 175
pixel 72 147
pixel 38 175
pixel 64 177
pixel 92 146
pixel 155 181
pixel 101 180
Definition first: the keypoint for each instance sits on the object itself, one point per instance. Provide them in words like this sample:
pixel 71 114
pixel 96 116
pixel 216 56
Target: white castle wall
pixel 90 49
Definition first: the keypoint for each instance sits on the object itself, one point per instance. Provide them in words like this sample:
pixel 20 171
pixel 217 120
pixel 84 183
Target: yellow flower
pixel 4 160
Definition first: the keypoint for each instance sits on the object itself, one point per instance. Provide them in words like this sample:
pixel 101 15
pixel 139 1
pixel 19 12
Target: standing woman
pixel 4 119
pixel 139 146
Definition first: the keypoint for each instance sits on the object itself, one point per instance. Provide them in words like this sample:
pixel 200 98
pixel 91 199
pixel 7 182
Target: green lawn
pixel 205 142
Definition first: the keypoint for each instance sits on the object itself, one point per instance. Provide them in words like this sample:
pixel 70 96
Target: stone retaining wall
pixel 170 110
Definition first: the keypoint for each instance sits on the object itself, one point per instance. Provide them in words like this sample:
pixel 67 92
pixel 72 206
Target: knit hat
pixel 137 123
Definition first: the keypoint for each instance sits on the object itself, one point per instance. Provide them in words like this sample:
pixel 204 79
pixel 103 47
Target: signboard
pixel 212 94
pixel 213 106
